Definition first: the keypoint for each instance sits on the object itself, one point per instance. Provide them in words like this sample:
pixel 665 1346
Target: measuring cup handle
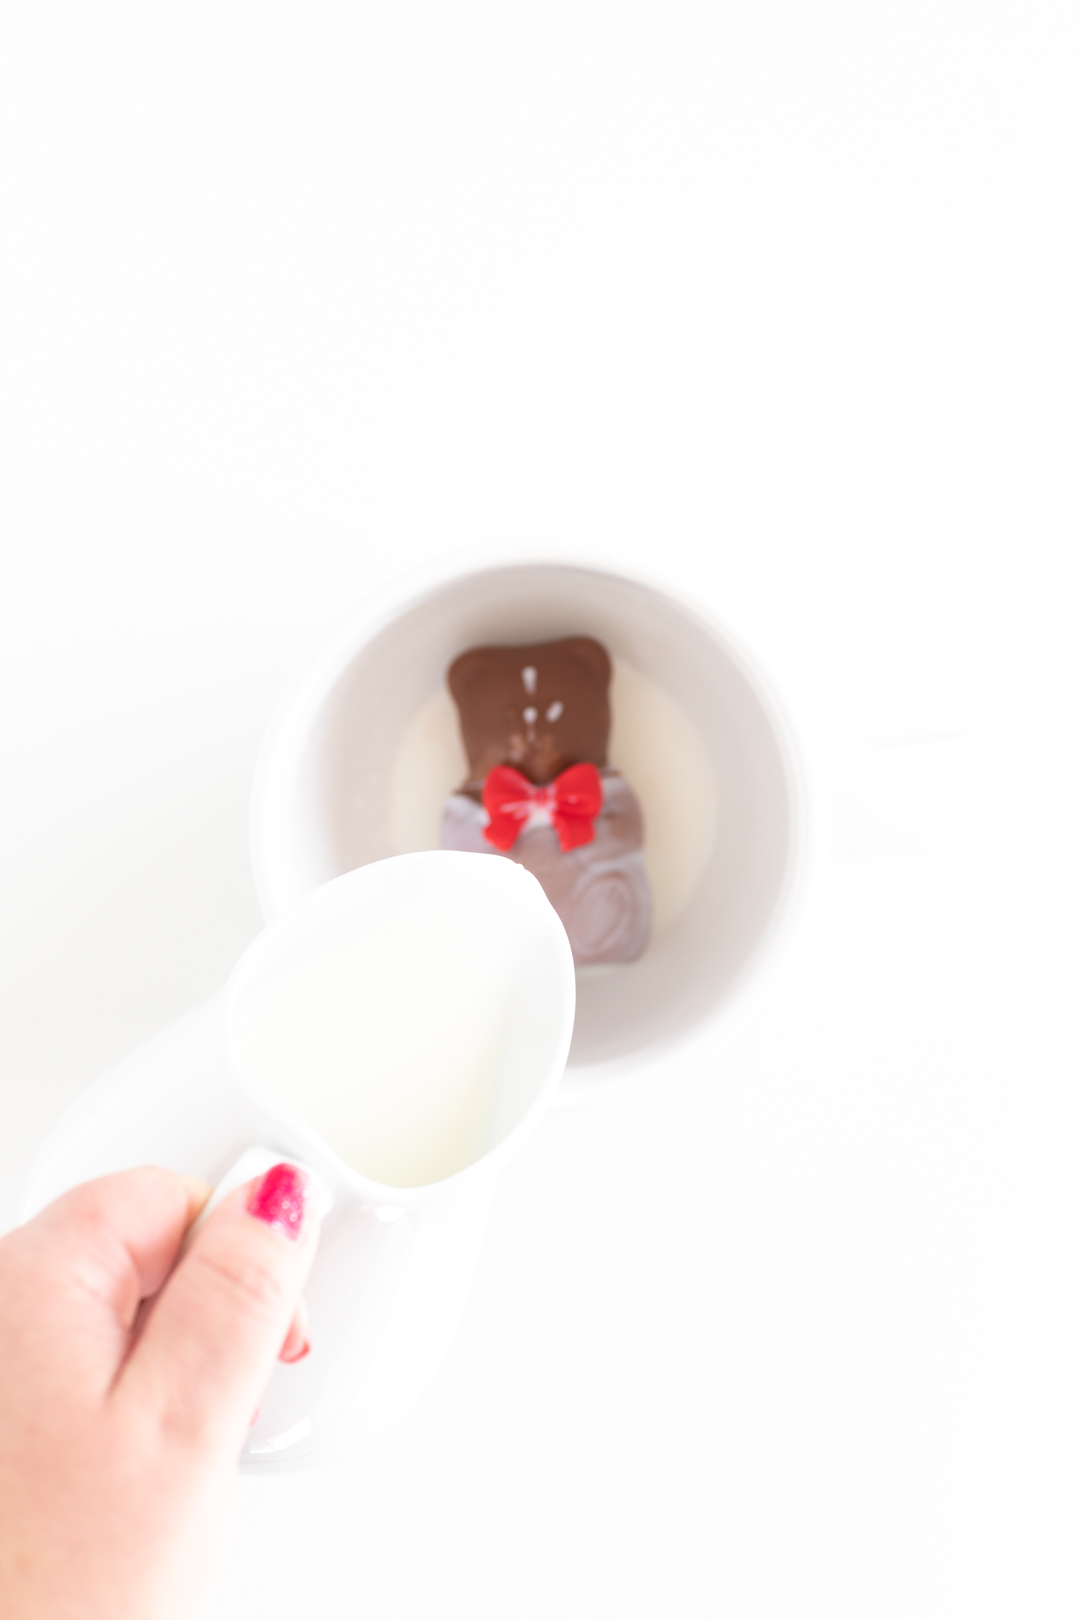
pixel 256 1161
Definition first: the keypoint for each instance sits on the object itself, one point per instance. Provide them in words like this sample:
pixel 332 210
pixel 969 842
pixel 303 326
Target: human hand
pixel 129 1376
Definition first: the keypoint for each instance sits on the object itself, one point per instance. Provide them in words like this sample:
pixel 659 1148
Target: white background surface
pixel 781 301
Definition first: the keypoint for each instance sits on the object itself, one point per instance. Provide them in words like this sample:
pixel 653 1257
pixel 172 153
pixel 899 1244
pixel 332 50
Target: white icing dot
pixel 554 710
pixel 530 716
pixel 528 675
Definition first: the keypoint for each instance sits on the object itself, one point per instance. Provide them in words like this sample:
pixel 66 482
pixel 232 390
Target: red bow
pixel 573 801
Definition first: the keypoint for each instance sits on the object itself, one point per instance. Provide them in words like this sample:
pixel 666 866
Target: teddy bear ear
pixel 466 670
pixel 590 657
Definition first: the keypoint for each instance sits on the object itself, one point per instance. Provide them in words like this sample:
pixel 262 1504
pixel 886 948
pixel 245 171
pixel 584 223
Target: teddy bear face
pixel 539 708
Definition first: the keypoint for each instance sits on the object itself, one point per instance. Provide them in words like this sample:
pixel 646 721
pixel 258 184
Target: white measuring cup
pixel 399 1033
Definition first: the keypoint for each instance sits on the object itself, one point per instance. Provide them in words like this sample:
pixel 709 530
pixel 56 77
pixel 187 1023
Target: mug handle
pixel 930 794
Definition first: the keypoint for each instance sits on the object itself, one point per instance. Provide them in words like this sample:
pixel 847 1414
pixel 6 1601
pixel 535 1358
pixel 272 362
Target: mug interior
pixel 737 762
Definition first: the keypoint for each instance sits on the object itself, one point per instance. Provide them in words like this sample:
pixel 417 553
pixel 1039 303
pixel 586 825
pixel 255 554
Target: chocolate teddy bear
pixel 535 722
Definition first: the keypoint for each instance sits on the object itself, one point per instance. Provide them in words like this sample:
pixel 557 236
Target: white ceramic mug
pixel 366 748
pixel 439 955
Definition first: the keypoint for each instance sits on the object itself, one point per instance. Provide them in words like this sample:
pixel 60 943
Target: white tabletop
pixel 778 303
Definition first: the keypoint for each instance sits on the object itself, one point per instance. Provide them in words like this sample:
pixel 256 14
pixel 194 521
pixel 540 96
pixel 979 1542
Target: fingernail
pixel 254 1417
pixel 290 1361
pixel 279 1198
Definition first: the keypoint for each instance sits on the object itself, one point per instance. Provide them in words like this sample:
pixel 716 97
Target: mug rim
pixel 290 728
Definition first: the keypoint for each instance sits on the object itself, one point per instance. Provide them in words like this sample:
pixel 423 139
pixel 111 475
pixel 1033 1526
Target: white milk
pixel 388 1048
pixel 653 742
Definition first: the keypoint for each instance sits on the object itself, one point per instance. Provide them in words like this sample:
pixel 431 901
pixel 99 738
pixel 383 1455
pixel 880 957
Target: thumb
pixel 209 1344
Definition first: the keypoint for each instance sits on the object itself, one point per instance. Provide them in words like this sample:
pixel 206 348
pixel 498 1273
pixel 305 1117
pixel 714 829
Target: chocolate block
pixel 542 709
pixel 599 889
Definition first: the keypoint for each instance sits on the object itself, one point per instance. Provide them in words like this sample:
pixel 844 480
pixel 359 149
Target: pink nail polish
pixel 278 1198
pixel 290 1361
